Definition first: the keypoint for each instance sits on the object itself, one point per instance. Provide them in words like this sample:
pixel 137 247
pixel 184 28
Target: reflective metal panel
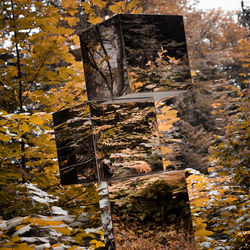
pixel 135 53
pixel 152 211
pixel 156 52
pixel 178 139
pixel 127 140
pixel 75 149
pixel 104 61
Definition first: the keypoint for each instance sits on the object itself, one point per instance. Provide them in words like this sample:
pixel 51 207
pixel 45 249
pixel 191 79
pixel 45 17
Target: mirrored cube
pixel 152 212
pixel 132 53
pixel 75 145
pixel 178 138
pixel 126 138
pixel 170 134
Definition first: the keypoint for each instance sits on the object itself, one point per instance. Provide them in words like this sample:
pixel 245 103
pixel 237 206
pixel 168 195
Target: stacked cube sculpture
pixel 131 62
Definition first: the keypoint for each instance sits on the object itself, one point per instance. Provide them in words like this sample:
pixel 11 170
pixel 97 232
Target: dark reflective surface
pixel 150 50
pixel 104 62
pixel 74 141
pixel 127 140
pixel 177 137
pixel 152 211
pixel 156 52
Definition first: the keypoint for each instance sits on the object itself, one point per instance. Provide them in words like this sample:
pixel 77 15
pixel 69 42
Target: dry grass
pixel 159 238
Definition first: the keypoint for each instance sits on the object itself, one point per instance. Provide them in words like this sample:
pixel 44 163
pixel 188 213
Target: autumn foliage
pixel 41 73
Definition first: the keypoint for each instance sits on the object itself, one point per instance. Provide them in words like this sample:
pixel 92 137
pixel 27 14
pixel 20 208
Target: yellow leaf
pixel 216 104
pixel 165 109
pixel 73 247
pixel 5 138
pixel 99 3
pixel 16 238
pixel 63 72
pixel 23 246
pixel 166 163
pixel 63 230
pixel 42 222
pixel 171 114
pixel 193 73
pixel 164 126
pixel 97 243
pixel 56 245
pixel 211 169
pixel 52 75
pixel 37 120
pixel 24 127
pixel 87 7
pixel 66 3
pixel 166 150
pixel 116 8
pixel 71 20
pixel 19 227
pixel 234 88
pixel 203 232
pixel 230 199
pixel 94 20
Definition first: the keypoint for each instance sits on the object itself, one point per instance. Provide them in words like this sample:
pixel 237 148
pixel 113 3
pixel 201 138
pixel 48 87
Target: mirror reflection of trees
pixel 152 212
pixel 162 74
pixel 181 144
pixel 135 53
pixel 167 117
pixel 104 62
pixel 156 52
pixel 75 149
pixel 126 138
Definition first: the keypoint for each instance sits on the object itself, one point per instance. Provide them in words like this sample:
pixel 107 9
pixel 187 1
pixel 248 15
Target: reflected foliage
pixel 150 50
pixel 126 138
pixel 156 52
pixel 152 212
pixel 75 147
pixel 104 62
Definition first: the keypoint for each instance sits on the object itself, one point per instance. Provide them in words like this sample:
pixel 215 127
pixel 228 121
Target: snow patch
pixel 205 245
pixel 39 195
pixel 34 239
pixel 22 230
pixel 42 246
pixel 193 171
pixel 14 222
pixel 91 230
pixel 45 200
pixel 59 210
pixel 68 218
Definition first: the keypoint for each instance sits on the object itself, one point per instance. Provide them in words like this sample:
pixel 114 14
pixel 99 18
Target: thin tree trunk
pixel 20 89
